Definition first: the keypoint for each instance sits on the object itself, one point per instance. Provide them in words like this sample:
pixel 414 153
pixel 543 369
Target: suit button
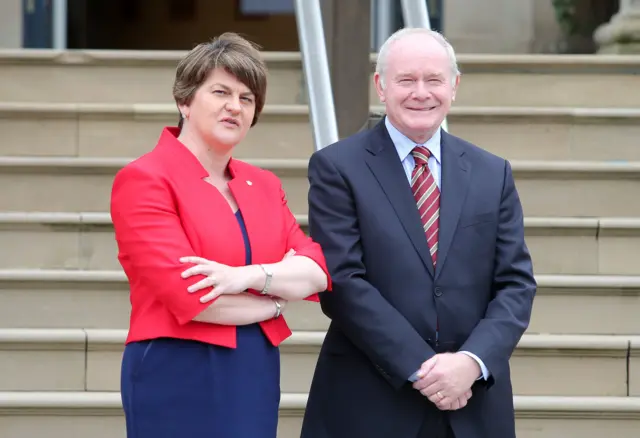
pixel 438 291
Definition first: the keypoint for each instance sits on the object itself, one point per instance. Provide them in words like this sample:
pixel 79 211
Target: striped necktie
pixel 427 196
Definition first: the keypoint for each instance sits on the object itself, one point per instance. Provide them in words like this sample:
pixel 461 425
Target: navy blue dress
pixel 173 388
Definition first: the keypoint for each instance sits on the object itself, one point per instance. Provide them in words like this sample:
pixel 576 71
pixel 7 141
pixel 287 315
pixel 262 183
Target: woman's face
pixel 221 111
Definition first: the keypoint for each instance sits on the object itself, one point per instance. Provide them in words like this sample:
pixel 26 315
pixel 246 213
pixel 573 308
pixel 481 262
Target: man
pixel 431 293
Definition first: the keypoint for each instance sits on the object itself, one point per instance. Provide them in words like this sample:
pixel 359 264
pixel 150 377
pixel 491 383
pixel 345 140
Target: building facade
pixel 490 26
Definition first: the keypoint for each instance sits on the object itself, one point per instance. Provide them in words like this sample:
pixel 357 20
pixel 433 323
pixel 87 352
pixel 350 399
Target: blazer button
pixel 438 291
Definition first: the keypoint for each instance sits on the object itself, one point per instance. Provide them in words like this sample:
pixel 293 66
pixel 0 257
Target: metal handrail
pixel 315 65
pixel 59 28
pixel 415 13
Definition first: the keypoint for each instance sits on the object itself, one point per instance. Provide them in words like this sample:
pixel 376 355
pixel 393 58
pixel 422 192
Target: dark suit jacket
pixel 386 295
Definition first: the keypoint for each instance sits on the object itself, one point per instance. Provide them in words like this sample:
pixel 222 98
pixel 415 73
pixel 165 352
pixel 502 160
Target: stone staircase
pixel 571 127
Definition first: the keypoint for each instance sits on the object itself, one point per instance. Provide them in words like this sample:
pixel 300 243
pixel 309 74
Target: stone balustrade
pixel 622 33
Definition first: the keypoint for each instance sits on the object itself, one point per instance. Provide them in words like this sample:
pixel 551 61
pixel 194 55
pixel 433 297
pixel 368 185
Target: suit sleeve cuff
pixel 485 371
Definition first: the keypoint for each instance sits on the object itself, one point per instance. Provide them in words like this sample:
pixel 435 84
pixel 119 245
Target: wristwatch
pixel 267 281
pixel 278 308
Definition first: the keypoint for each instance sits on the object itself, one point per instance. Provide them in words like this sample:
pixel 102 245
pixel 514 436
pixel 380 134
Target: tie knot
pixel 421 155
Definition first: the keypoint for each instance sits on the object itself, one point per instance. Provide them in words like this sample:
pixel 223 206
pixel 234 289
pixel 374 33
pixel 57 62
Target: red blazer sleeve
pixel 303 244
pixel 151 241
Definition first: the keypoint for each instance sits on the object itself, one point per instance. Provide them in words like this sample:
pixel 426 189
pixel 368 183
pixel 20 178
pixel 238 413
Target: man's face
pixel 419 86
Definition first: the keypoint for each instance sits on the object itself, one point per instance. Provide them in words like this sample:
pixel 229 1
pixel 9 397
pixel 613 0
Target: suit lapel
pixel 455 177
pixel 387 169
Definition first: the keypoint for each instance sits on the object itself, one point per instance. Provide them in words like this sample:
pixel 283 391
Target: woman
pixel 212 254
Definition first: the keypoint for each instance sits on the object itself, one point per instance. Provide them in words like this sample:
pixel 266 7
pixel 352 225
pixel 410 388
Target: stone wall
pixel 10 24
pixel 501 26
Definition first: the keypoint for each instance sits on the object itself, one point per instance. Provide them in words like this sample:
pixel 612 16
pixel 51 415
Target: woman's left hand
pixel 223 278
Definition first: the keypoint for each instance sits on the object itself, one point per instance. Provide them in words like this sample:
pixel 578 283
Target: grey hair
pixel 383 53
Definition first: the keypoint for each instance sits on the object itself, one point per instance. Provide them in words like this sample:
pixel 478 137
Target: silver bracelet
pixel 278 308
pixel 267 281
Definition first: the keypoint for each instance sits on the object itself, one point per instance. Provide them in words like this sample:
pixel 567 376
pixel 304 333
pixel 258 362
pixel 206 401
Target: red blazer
pixel 163 210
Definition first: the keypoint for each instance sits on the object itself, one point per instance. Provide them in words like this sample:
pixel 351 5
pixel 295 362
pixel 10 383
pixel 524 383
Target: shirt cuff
pixel 414 377
pixel 483 368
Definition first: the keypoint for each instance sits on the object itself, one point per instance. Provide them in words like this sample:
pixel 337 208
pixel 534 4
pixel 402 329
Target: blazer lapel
pixel 387 168
pixel 455 177
pixel 251 205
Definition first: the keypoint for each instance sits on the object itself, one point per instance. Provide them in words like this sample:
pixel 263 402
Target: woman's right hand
pixel 222 278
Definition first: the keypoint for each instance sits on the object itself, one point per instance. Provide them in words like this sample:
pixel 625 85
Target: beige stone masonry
pixel 139 76
pixel 99 415
pixel 61 299
pixel 546 188
pixel 634 367
pixel 586 304
pixel 90 360
pixel 120 76
pixel 86 241
pixel 578 304
pixel 42 360
pixel 130 130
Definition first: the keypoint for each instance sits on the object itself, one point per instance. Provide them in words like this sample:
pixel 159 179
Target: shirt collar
pixel 404 145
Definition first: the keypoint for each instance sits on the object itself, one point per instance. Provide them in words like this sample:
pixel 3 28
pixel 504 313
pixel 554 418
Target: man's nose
pixel 421 90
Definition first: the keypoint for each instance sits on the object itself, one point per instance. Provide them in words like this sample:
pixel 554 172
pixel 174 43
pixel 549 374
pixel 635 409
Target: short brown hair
pixel 237 55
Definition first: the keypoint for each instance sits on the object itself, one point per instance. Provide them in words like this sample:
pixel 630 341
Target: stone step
pixel 549 80
pixel 90 360
pixel 488 80
pixel 284 131
pixel 609 246
pixel 130 130
pixel 564 304
pixel 547 188
pixel 99 415
pixel 110 76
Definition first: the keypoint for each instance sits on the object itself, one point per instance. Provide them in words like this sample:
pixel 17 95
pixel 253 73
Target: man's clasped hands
pixel 446 379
